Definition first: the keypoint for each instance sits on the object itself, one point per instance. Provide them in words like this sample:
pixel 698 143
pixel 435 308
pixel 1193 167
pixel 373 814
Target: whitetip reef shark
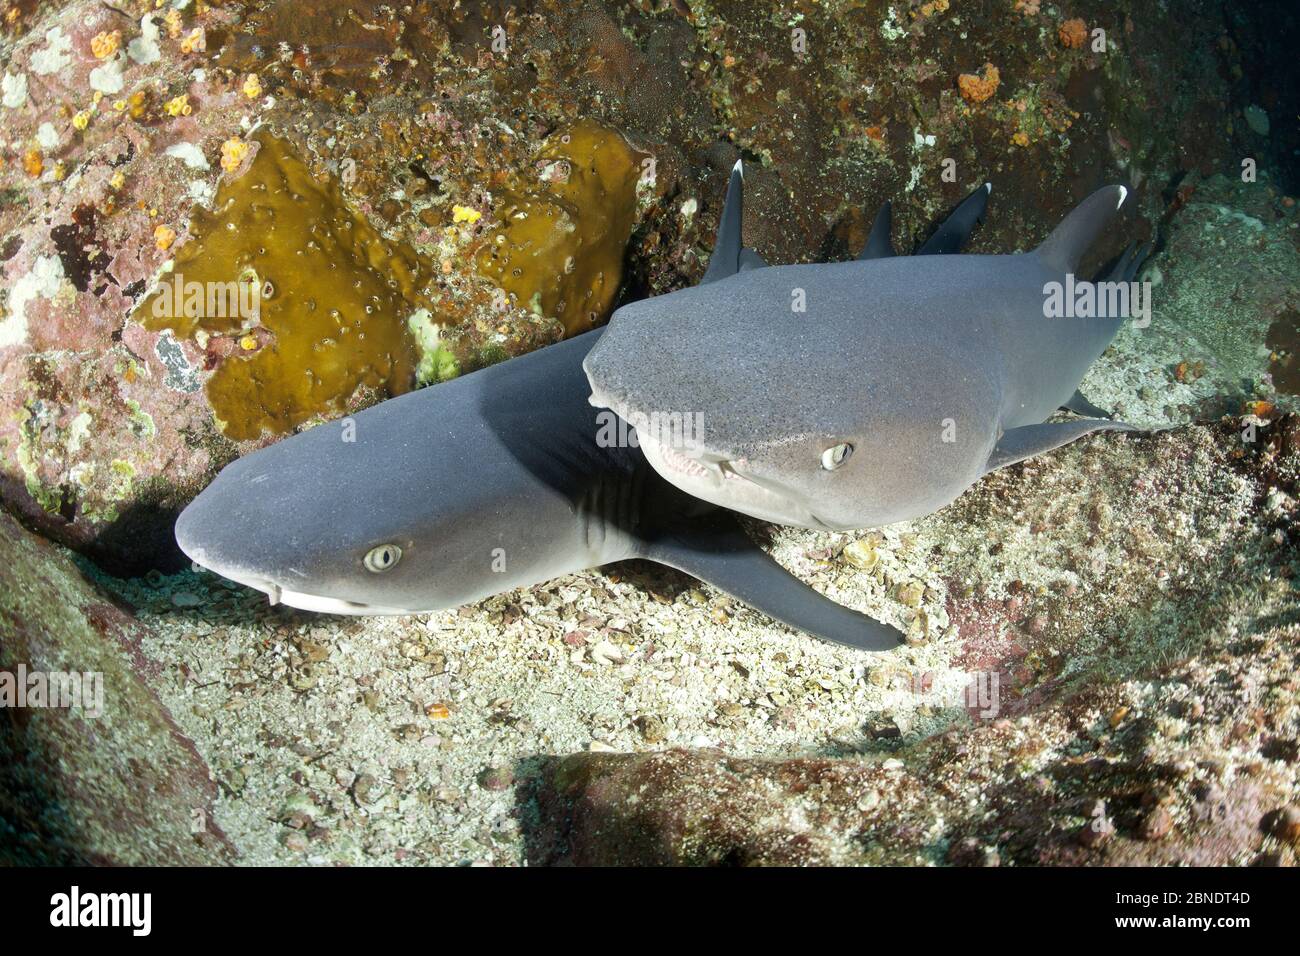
pixel 493 481
pixel 496 480
pixel 898 384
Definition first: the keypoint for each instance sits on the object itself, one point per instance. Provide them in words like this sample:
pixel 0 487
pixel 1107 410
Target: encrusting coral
pixel 297 300
pixel 978 87
pixel 559 246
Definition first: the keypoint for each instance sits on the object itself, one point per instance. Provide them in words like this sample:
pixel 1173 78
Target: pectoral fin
pixel 717 551
pixel 1017 444
pixel 1081 406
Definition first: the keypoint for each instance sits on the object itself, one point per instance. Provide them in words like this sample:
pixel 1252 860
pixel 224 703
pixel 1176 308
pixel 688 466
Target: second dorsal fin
pixel 878 245
pixel 956 229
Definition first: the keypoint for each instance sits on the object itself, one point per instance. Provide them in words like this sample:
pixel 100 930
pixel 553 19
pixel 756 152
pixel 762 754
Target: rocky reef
pixel 380 197
pixel 119 787
pixel 1146 691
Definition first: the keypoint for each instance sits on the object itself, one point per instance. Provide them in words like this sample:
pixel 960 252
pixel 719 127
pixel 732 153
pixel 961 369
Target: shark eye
pixel 836 455
pixel 382 558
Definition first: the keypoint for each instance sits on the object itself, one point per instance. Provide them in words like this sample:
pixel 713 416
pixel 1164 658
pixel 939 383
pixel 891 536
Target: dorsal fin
pixel 1062 250
pixel 725 260
pixel 956 229
pixel 878 245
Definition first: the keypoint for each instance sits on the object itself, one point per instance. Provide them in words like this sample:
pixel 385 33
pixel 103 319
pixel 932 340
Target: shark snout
pixel 232 532
pixel 199 544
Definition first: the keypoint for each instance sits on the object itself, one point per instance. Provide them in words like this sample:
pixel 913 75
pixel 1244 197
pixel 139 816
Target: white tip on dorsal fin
pixel 725 260
pixel 989 188
pixel 1063 249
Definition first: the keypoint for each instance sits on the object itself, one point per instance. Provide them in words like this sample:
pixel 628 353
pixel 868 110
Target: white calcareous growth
pixel 55 55
pixel 144 48
pixel 13 90
pixel 47 137
pixel 189 154
pixel 201 192
pixel 43 281
pixel 107 78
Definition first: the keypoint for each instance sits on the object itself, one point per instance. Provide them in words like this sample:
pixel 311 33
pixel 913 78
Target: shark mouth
pixel 690 467
pixel 724 482
pixel 301 600
pixel 328 605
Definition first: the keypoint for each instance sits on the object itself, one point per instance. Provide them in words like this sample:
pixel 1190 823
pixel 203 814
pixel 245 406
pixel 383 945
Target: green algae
pixel 328 299
pixel 490 354
pixel 437 362
pixel 444 364
pixel 558 249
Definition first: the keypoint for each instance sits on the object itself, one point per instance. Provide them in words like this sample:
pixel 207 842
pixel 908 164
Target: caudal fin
pixel 1062 250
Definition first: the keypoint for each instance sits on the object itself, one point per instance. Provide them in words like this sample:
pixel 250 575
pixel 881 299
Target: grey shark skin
pixel 903 382
pixel 492 481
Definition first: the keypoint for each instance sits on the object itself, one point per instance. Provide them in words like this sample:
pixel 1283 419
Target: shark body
pixel 507 477
pixel 500 479
pixel 849 395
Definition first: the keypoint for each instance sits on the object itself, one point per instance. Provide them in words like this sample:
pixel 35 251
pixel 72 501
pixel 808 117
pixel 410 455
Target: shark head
pixel 740 403
pixel 328 524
